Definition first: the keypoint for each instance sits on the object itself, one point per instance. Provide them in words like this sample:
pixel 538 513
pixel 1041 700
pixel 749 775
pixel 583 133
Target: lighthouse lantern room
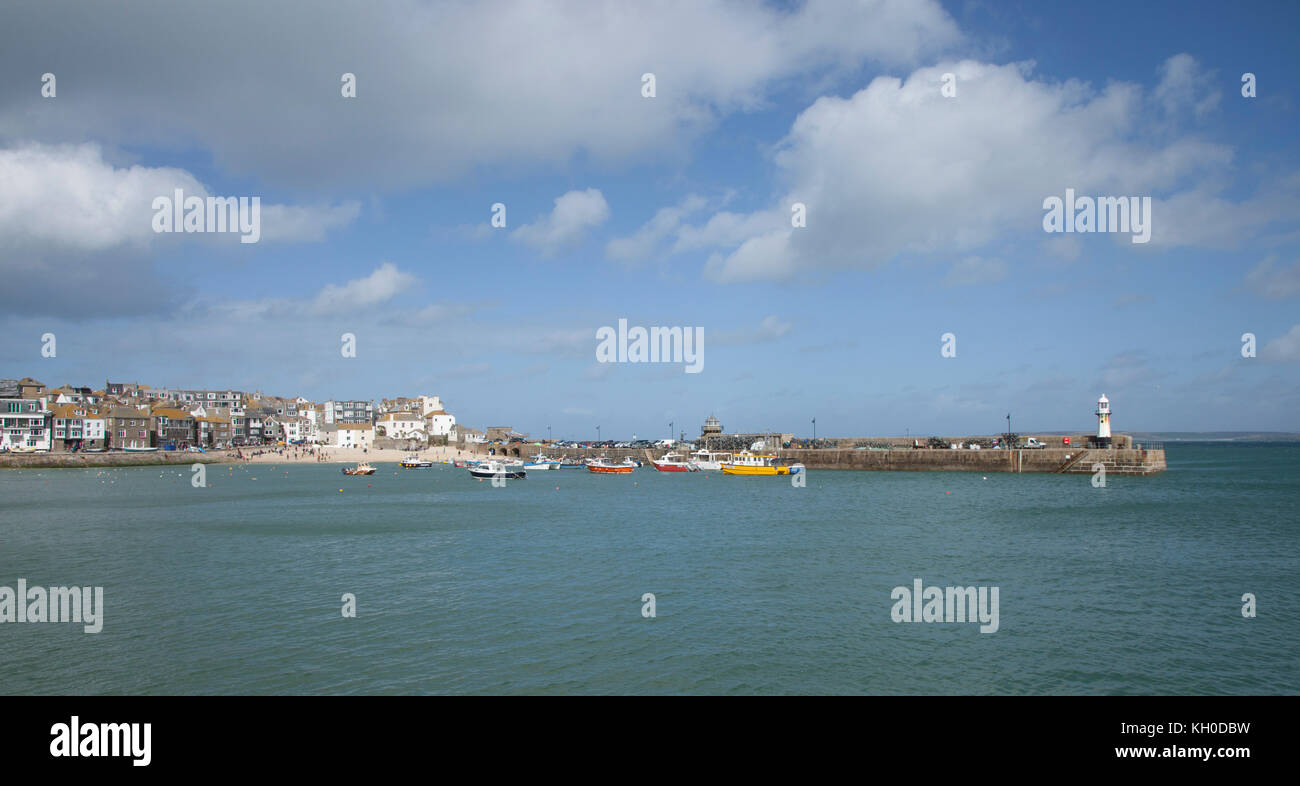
pixel 1103 422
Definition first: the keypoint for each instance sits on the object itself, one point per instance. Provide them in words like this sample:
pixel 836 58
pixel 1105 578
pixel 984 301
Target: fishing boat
pixel 361 469
pixel 710 461
pixel 541 462
pixel 140 450
pixel 568 463
pixel 675 462
pixel 746 463
pixel 498 469
pixel 414 462
pixel 607 466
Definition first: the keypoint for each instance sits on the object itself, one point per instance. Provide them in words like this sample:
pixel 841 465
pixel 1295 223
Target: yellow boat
pixel 747 463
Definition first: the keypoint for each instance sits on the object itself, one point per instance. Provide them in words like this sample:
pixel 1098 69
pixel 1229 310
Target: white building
pixel 92 426
pixel 354 435
pixel 429 404
pixel 402 425
pixel 439 423
pixel 465 434
pixel 23 425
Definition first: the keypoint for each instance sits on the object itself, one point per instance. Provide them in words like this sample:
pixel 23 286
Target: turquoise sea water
pixel 760 587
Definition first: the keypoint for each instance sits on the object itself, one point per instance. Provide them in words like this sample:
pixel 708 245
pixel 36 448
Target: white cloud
pixel 574 214
pixel 770 329
pixel 643 242
pixel 975 270
pixel 385 283
pixel 1272 280
pixel 69 198
pixel 1185 85
pixel 898 169
pixel 306 224
pixel 442 88
pixel 1284 348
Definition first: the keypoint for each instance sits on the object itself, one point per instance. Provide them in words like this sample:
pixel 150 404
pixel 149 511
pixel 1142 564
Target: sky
pixel 922 199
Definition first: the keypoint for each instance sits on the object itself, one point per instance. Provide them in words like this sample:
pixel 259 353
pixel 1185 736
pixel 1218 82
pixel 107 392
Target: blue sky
pixel 924 212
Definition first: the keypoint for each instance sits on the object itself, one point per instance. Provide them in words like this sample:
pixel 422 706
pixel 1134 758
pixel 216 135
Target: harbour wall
pixel 1050 460
pixel 83 460
pixel 1128 461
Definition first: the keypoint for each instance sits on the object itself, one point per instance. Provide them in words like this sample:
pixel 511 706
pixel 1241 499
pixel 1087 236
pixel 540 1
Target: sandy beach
pixel 327 455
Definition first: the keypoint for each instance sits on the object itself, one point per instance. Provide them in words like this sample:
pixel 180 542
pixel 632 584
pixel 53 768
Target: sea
pixel 294 579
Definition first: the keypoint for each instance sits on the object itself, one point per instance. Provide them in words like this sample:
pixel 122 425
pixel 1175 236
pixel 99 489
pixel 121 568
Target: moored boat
pixel 413 461
pixel 675 462
pixel 361 469
pixel 746 463
pixel 607 466
pixel 541 462
pixel 498 469
pixel 710 461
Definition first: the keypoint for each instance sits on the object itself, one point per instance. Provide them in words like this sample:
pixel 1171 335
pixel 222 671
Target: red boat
pixel 604 465
pixel 675 462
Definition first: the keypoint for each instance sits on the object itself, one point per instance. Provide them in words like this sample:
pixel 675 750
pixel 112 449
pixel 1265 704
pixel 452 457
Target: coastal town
pixel 133 417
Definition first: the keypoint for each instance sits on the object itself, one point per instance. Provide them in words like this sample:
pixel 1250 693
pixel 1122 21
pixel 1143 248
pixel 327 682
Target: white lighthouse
pixel 1103 422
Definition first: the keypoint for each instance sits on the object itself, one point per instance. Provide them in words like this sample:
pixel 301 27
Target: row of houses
pixel 124 416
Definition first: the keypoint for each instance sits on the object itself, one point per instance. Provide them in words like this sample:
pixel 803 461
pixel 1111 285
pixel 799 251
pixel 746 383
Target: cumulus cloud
pixel 770 329
pixel 442 88
pixel 69 197
pixel 306 224
pixel 1126 370
pixel 574 214
pixel 385 283
pixel 645 240
pixel 1273 280
pixel 898 169
pixel 1184 85
pixel 1285 348
pixel 975 270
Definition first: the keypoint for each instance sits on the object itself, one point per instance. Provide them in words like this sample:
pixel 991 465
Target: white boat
pixel 413 461
pixel 675 462
pixel 498 469
pixel 709 460
pixel 140 450
pixel 541 462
